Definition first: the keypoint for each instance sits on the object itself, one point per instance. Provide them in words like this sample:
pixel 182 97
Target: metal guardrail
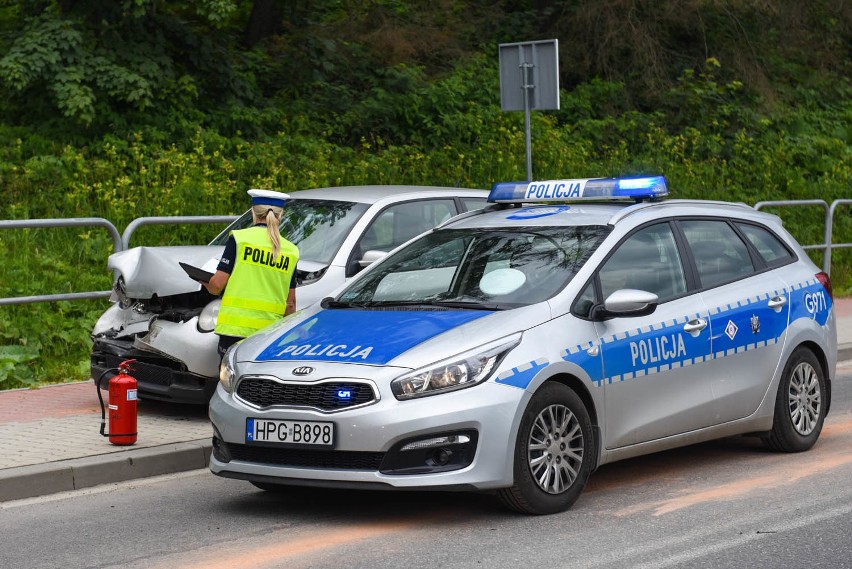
pixel 72 222
pixel 828 219
pixel 120 243
pixel 176 220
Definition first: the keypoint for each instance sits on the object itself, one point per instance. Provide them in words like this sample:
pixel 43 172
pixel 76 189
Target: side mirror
pixel 626 302
pixel 371 257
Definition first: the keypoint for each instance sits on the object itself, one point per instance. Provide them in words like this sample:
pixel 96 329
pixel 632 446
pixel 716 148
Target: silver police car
pixel 519 347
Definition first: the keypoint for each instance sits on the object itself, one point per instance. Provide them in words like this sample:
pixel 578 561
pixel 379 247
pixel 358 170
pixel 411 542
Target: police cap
pixel 268 197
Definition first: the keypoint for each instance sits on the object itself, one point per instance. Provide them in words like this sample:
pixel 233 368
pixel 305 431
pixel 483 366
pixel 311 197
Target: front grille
pixel 265 392
pixel 146 372
pixel 338 460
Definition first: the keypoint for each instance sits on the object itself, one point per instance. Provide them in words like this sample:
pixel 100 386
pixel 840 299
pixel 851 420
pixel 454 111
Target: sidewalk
pixel 50 437
pixel 50 441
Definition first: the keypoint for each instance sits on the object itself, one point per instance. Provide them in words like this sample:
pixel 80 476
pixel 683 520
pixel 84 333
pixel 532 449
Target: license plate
pixel 300 433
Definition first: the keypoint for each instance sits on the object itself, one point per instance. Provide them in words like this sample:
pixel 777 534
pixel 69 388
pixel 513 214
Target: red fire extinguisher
pixel 122 406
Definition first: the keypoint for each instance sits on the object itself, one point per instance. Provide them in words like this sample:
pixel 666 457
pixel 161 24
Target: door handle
pixel 777 302
pixel 695 326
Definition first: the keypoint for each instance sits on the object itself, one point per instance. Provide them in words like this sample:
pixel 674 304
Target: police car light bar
pixel 637 189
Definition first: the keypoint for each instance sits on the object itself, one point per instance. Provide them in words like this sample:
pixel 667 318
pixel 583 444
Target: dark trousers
pixel 226 342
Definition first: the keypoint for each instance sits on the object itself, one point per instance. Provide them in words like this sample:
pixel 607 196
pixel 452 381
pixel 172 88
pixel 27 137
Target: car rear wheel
pixel 800 405
pixel 553 455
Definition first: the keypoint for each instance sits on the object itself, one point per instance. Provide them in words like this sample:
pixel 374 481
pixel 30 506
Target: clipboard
pixel 195 273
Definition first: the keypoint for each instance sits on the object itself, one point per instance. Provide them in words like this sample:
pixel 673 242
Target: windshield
pixel 484 269
pixel 317 227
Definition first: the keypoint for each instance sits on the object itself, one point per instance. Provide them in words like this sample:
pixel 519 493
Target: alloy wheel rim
pixel 555 449
pixel 804 399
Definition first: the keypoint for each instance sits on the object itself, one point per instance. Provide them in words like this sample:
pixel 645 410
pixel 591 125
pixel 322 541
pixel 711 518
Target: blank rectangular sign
pixel 533 66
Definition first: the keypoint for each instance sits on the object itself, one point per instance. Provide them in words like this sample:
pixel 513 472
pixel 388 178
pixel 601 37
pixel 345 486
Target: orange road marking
pixel 244 554
pixel 735 489
pixel 789 471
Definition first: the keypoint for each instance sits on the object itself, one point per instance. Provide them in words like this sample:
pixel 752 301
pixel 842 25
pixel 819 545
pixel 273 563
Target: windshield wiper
pixel 437 303
pixel 472 305
pixel 329 302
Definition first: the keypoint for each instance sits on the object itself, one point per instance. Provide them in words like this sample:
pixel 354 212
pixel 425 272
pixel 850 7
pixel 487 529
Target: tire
pixel 800 404
pixel 554 453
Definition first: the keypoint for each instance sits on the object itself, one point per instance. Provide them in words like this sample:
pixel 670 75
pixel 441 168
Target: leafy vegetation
pixel 144 108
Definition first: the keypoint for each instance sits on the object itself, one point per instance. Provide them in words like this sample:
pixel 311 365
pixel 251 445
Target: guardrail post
pixel 834 205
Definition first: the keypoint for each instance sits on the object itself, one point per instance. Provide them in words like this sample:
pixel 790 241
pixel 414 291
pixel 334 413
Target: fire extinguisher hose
pixel 101 399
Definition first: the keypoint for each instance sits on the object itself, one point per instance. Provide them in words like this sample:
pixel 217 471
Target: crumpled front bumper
pixel 158 376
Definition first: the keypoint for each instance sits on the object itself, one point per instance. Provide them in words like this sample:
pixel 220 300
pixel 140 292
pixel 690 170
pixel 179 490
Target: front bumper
pixel 158 377
pixel 369 441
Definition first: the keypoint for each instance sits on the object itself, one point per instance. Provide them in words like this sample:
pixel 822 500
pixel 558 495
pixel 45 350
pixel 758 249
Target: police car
pixel 570 324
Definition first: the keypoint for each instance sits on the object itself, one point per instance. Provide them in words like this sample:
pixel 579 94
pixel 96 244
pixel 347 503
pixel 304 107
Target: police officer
pixel 259 269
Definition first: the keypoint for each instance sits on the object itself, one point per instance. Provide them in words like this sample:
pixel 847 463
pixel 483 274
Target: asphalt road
pixel 729 503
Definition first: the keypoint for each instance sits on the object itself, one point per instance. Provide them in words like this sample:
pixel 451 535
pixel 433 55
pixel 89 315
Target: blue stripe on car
pixel 363 336
pixel 810 300
pixel 522 375
pixel 807 300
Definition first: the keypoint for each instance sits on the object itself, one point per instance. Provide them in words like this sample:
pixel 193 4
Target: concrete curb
pixel 60 476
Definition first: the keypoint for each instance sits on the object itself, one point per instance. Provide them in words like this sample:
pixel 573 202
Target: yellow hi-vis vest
pixel 256 293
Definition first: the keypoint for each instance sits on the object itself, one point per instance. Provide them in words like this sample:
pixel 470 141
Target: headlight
pixel 305 278
pixel 207 318
pixel 227 369
pixel 464 370
pixel 119 294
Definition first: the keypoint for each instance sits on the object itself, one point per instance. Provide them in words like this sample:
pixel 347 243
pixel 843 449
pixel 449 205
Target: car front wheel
pixel 554 453
pixel 800 405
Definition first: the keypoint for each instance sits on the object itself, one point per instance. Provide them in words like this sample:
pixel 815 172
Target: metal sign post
pixel 529 80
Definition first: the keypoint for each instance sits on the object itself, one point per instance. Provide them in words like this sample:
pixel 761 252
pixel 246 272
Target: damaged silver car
pixel 164 320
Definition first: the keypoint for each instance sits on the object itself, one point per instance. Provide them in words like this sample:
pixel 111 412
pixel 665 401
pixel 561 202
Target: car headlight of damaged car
pixel 207 318
pixel 119 294
pixel 459 372
pixel 309 277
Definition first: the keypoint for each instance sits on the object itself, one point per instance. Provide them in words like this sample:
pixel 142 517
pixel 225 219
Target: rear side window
pixel 400 222
pixel 471 204
pixel 720 255
pixel 770 248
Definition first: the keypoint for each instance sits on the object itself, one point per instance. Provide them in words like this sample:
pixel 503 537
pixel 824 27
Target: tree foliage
pixel 81 68
pixel 103 65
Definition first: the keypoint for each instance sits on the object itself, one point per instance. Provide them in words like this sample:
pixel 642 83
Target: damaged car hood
pixel 147 271
pixel 155 271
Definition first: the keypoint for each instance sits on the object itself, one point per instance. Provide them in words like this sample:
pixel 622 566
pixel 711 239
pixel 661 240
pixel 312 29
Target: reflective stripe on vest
pixel 256 293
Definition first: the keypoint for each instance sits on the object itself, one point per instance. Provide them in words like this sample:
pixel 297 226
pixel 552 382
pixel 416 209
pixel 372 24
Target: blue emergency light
pixel 598 189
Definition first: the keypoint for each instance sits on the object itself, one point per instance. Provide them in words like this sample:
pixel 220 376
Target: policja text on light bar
pixel 642 188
